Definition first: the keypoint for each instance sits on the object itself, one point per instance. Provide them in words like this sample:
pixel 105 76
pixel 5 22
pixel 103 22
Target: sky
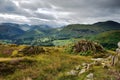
pixel 59 12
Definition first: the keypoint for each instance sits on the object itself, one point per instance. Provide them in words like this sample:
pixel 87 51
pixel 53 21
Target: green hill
pixel 10 31
pixel 83 30
pixel 45 34
pixel 108 39
pixel 108 25
pixel 77 30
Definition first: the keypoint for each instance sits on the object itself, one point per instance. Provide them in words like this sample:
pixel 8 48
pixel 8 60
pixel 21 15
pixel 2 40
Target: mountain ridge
pixel 40 32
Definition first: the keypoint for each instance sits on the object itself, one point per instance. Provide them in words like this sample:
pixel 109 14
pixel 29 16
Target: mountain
pixel 77 30
pixel 36 34
pixel 84 30
pixel 108 39
pixel 37 31
pixel 25 27
pixel 108 25
pixel 10 31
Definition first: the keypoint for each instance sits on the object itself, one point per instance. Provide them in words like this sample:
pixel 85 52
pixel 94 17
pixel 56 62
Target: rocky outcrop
pixel 116 58
pixel 80 69
pixel 105 63
pixel 85 45
pixel 32 50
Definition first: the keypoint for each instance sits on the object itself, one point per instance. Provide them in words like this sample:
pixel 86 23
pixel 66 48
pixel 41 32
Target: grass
pixel 48 66
pixel 62 42
pixel 52 65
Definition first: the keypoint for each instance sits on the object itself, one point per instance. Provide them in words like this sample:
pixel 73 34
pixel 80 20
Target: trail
pixel 10 59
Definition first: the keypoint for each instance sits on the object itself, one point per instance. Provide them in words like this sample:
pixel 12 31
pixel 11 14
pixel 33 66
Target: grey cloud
pixel 62 11
pixel 7 6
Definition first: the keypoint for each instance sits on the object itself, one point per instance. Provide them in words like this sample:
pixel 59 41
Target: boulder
pixel 87 46
pixel 72 72
pixel 78 67
pixel 118 44
pixel 89 76
pixel 116 58
pixel 84 64
pixel 82 71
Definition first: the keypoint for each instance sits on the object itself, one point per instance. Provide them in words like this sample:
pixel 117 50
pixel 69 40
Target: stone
pixel 89 76
pixel 118 50
pixel 97 63
pixel 72 72
pixel 104 65
pixel 97 59
pixel 82 71
pixel 118 44
pixel 78 67
pixel 27 78
pixel 114 60
pixel 84 64
pixel 88 66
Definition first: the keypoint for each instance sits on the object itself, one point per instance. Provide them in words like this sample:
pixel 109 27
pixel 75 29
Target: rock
pixel 78 67
pixel 85 46
pixel 97 59
pixel 114 60
pixel 118 44
pixel 72 72
pixel 104 65
pixel 118 50
pixel 88 66
pixel 89 76
pixel 28 78
pixel 97 63
pixel 82 71
pixel 84 64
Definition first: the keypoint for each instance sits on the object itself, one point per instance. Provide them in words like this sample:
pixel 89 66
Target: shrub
pixel 87 53
pixel 69 48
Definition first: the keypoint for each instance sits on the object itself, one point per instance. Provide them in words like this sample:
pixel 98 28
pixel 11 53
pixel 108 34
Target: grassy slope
pixel 49 66
pixel 52 65
pixel 108 39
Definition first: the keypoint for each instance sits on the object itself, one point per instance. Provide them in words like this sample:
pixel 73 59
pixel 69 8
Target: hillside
pixel 22 62
pixel 46 35
pixel 9 31
pixel 82 30
pixel 78 30
pixel 108 25
pixel 37 31
pixel 108 39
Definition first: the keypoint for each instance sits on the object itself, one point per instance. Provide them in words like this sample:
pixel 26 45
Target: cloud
pixel 59 12
pixel 14 18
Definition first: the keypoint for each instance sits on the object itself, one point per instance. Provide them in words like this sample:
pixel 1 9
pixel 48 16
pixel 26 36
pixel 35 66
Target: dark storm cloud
pixel 59 12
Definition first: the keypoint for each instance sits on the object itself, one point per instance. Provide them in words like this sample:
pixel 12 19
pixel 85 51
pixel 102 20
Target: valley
pixel 45 35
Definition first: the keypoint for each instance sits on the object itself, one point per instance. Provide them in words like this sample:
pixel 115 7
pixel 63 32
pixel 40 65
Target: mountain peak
pixel 110 22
